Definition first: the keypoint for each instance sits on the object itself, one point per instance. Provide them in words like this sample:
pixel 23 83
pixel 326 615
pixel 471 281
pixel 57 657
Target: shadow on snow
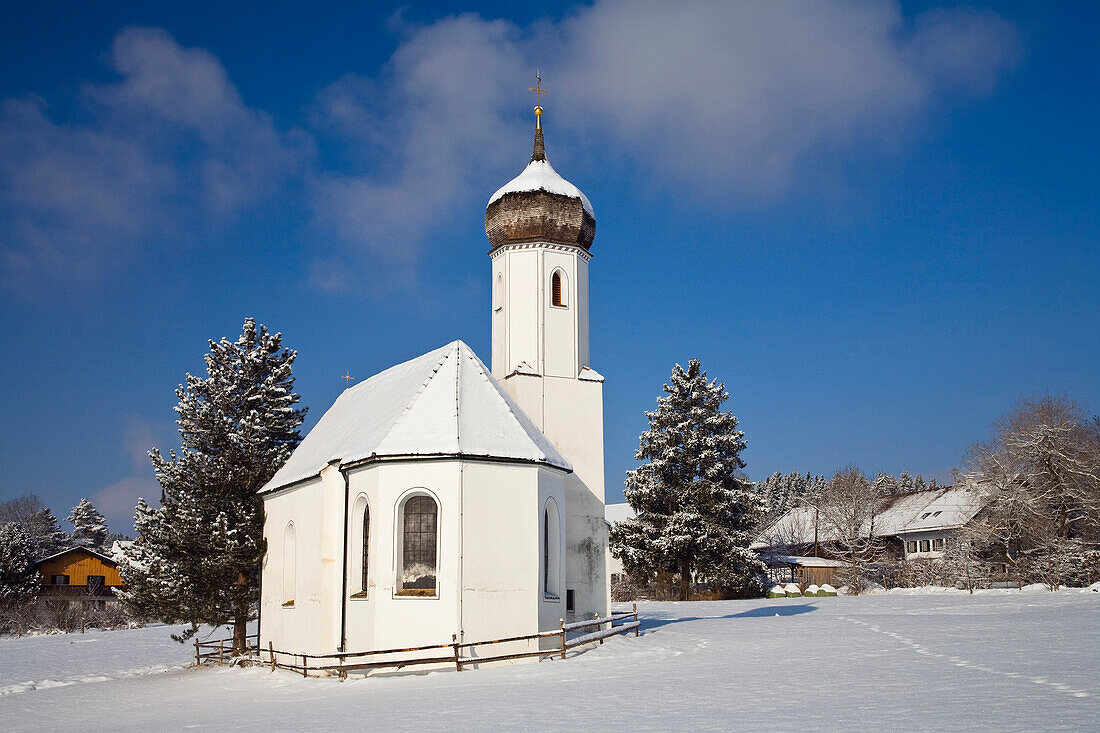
pixel 649 624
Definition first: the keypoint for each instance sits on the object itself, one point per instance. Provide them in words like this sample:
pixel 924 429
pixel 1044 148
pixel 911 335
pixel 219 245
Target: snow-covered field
pixel 913 660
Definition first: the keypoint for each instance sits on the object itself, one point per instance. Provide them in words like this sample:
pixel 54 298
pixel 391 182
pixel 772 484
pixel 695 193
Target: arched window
pixel 366 549
pixel 551 546
pixel 557 289
pixel 498 292
pixel 418 546
pixel 359 565
pixel 290 561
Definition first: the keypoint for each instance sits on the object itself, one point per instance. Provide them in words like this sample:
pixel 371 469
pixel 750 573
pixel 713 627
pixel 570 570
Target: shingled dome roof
pixel 444 403
pixel 538 205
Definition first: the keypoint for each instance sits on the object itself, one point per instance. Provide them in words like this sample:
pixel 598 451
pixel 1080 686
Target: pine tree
pixel 18 579
pixel 885 484
pixel 198 554
pixel 694 515
pixel 89 528
pixel 46 534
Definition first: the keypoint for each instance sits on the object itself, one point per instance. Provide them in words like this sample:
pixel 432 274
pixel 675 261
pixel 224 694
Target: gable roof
pixel 948 507
pixel 109 560
pixel 444 403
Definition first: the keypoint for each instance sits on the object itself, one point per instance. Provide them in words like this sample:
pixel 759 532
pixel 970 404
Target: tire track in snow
pixel 965 663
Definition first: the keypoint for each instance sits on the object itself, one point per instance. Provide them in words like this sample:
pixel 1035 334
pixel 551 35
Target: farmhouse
pixel 79 575
pixel 443 497
pixel 914 525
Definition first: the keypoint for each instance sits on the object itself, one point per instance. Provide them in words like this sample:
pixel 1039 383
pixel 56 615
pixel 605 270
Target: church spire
pixel 539 152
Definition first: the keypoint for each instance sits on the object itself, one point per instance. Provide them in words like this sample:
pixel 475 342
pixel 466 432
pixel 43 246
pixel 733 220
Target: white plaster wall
pixel 502 549
pixel 415 621
pixel 551 610
pixel 559 357
pixel 361 611
pixel 298 628
pixel 522 311
pixel 499 356
pixel 582 313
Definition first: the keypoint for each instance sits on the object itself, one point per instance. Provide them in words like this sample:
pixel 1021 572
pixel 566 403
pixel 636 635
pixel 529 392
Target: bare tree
pixel 21 510
pixel 848 508
pixel 1040 478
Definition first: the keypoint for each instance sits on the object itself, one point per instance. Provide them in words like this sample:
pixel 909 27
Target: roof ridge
pixel 423 386
pixel 498 390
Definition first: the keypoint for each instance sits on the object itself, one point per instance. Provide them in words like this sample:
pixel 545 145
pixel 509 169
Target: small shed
pixel 804 571
pixel 79 574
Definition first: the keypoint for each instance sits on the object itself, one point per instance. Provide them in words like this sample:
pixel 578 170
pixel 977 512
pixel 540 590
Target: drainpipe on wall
pixel 344 567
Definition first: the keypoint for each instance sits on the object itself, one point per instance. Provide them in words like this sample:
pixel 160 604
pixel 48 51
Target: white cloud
pixel 715 99
pixel 117 501
pixel 170 134
pixel 423 138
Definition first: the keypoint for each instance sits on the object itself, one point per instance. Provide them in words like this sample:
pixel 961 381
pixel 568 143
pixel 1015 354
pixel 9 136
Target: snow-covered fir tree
pixel 198 553
pixel 694 513
pixel 46 534
pixel 885 484
pixel 782 492
pixel 18 578
pixel 89 527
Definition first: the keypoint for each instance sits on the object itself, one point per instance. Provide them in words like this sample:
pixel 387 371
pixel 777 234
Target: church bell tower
pixel 541 229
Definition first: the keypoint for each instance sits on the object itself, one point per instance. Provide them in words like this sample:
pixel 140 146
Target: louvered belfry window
pixel 555 287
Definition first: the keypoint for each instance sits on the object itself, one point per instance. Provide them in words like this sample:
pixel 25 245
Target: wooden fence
pixel 221 650
pixel 457 653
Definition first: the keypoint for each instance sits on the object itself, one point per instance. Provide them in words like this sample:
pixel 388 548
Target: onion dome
pixel 538 205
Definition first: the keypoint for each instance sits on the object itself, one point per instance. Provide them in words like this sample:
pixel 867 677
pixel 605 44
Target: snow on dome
pixel 444 403
pixel 539 175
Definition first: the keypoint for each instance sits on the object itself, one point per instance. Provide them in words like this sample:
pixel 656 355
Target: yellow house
pixel 79 574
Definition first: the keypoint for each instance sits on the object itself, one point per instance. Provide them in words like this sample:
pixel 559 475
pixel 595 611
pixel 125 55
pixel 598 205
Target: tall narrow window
pixel 419 540
pixel 555 289
pixel 366 548
pixel 551 550
pixel 498 293
pixel 290 560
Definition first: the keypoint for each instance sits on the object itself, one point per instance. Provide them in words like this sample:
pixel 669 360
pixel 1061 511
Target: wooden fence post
pixel 635 618
pixel 304 666
pixel 561 625
pixel 198 661
pixel 271 649
pixel 454 643
pixel 221 652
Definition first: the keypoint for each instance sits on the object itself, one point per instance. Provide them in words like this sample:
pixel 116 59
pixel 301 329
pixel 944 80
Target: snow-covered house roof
pixel 618 512
pixel 916 511
pixel 806 562
pixel 444 403
pixel 954 507
pixel 79 548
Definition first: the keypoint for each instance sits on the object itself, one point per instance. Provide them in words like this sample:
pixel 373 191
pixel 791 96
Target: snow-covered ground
pixel 1001 660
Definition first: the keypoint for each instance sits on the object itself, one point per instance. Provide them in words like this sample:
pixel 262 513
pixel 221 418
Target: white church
pixel 442 497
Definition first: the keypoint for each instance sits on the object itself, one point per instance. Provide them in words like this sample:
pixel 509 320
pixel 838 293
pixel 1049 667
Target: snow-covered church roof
pixel 444 403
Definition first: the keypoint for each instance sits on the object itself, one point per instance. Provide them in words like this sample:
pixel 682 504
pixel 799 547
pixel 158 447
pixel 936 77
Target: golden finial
pixel 539 91
pixel 347 379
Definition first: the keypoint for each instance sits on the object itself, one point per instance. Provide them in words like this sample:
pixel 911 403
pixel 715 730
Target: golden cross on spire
pixel 347 379
pixel 539 91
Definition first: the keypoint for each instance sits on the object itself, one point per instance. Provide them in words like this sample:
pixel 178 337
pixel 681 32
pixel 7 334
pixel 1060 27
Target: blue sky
pixel 876 223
